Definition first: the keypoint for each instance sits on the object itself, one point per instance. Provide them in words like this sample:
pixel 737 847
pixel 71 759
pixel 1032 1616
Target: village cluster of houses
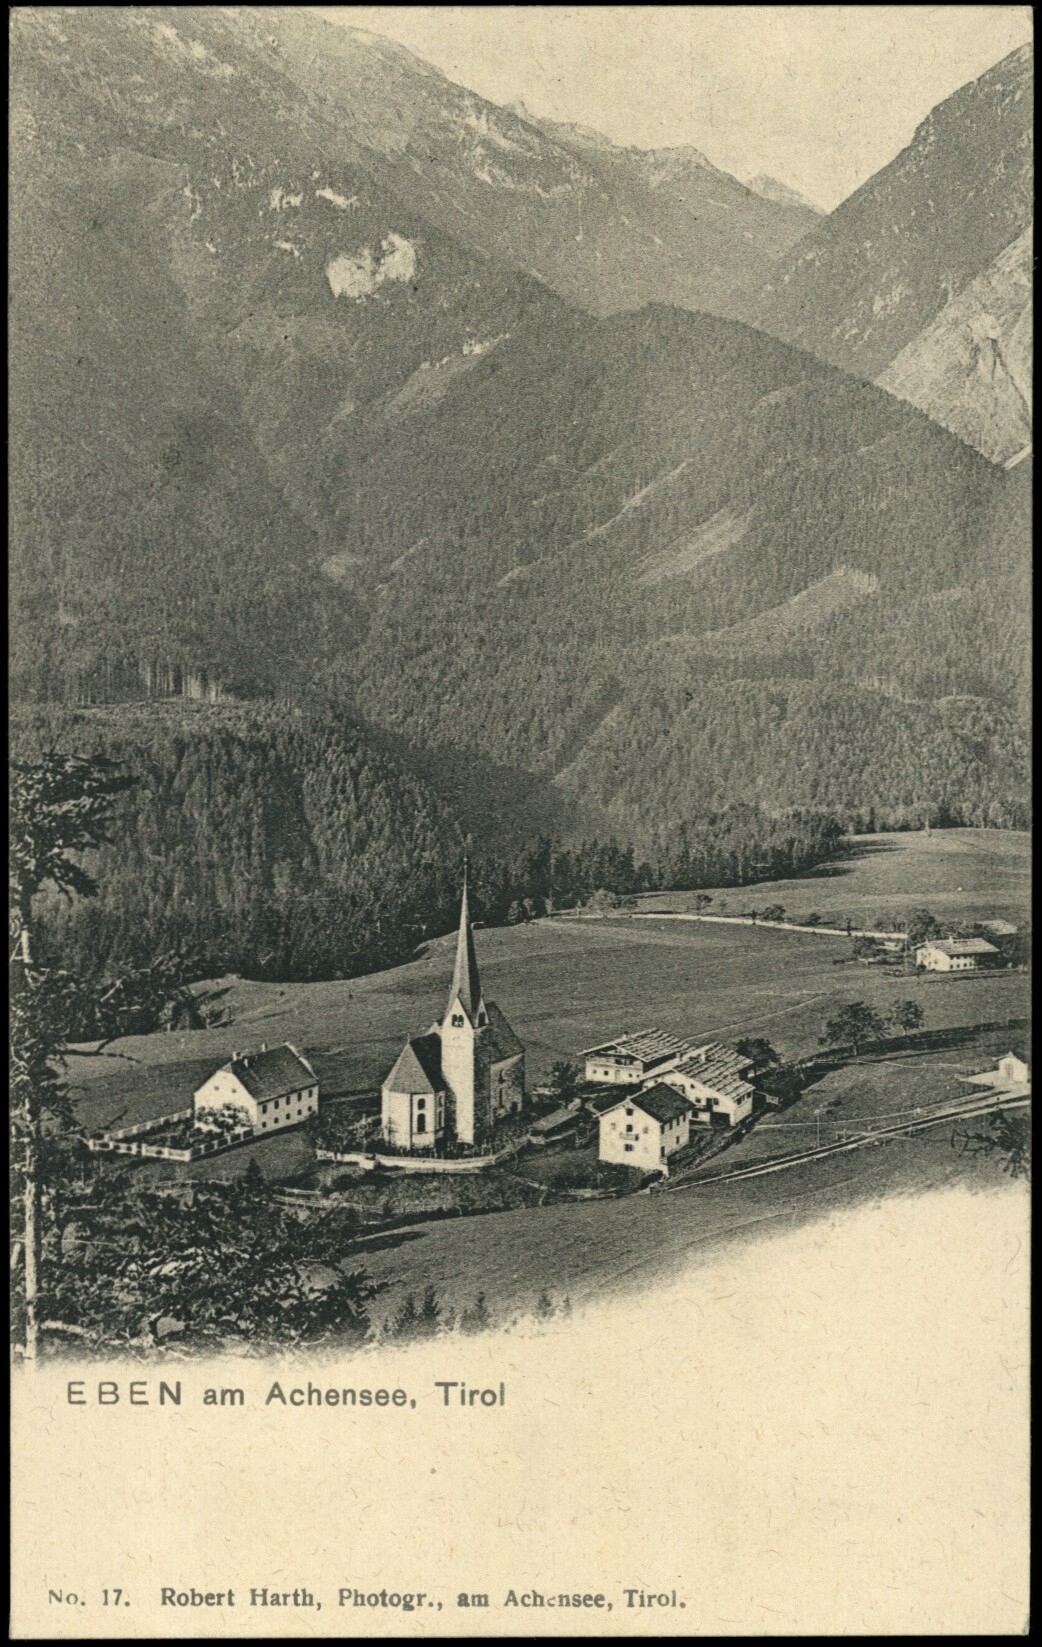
pixel 671 1085
pixel 452 1086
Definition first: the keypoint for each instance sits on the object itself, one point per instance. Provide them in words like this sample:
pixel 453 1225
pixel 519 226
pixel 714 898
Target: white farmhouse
pixel 955 954
pixel 645 1129
pixel 632 1059
pixel 1011 1076
pixel 275 1087
pixel 1013 1071
pixel 712 1079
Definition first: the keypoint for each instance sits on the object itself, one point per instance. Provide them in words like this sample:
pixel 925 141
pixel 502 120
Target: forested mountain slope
pixel 276 431
pixel 607 227
pixel 279 843
pixel 206 288
pixel 583 549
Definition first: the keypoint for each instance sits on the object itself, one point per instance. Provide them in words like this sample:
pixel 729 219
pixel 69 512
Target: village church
pixel 454 1083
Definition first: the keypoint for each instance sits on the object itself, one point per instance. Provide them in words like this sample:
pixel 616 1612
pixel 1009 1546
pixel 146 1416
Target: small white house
pixel 713 1080
pixel 632 1059
pixel 646 1129
pixel 1013 1071
pixel 955 954
pixel 275 1088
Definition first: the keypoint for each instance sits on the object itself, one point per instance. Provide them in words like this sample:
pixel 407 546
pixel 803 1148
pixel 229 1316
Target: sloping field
pixel 872 1093
pixel 958 874
pixel 563 984
pixel 608 1247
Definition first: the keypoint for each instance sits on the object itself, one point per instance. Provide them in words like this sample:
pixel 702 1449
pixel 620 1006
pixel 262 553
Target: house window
pixel 629 1111
pixel 629 1149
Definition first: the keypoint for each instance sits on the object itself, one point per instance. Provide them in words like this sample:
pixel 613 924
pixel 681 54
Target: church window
pixel 421 1103
pixel 457 1020
pixel 481 1019
pixel 421 1122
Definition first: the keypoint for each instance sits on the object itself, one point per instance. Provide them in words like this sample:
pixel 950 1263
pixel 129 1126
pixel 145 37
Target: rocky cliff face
pixel 605 226
pixel 970 370
pixel 881 268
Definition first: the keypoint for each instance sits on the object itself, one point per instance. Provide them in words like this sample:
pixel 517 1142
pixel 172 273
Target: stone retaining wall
pixel 417 1163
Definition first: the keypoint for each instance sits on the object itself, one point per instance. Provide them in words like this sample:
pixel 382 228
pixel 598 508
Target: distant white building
pixel 1011 1075
pixel 275 1087
pixel 632 1059
pixel 1014 1071
pixel 955 954
pixel 645 1129
pixel 712 1078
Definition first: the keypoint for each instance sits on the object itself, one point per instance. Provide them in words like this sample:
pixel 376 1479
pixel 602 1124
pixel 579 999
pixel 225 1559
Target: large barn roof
pixel 719 1068
pixel 648 1046
pixel 272 1073
pixel 962 946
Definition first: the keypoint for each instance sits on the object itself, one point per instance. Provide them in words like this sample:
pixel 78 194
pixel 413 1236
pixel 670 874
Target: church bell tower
pixel 466 1038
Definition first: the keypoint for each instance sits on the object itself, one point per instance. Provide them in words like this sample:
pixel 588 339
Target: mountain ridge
pixel 875 275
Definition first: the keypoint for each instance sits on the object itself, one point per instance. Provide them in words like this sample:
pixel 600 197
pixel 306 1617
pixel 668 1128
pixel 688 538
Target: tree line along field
pixel 566 985
pixel 961 875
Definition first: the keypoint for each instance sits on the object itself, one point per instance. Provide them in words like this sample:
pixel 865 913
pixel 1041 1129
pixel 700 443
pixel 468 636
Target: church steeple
pixel 466 985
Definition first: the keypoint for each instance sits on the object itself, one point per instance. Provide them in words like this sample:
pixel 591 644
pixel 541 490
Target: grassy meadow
pixel 565 985
pixel 959 874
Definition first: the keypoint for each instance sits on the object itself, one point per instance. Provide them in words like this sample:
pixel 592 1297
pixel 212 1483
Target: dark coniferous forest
pixel 274 844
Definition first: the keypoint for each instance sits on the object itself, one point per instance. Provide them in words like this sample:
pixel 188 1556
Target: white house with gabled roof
pixel 713 1079
pixel 275 1087
pixel 645 1128
pixel 955 954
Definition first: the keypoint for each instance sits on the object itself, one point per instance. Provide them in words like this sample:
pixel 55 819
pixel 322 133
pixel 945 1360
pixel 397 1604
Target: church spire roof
pixel 466 985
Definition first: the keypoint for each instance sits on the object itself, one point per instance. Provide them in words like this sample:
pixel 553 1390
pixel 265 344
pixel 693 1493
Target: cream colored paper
pixel 819 1429
pixel 825 1432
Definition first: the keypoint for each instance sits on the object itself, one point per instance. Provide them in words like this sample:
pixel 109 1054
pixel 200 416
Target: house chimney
pixel 264 1046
